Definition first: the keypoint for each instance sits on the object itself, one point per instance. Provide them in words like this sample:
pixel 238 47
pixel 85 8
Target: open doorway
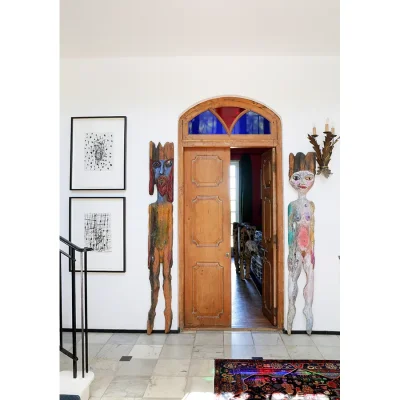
pixel 247 245
pixel 207 133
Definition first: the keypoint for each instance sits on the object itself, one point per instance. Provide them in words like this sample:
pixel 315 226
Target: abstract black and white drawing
pixel 99 223
pixel 98 148
pixel 98 151
pixel 98 231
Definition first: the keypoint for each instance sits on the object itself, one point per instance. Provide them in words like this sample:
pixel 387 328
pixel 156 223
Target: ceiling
pixel 131 28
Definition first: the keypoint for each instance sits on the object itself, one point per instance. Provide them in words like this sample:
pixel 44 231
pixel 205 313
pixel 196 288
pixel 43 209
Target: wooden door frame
pixel 241 141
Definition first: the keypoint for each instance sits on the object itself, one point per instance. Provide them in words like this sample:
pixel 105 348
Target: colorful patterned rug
pixel 277 379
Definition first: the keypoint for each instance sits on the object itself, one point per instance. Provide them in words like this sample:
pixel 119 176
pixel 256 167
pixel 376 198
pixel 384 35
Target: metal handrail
pixel 74 246
pixel 84 320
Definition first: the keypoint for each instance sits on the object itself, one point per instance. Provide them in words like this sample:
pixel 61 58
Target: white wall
pixel 152 93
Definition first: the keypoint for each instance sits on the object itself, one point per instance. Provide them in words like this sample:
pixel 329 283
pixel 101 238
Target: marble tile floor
pixel 181 366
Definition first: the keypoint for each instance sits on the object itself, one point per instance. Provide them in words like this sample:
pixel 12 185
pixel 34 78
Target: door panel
pixel 207 234
pixel 207 297
pixel 268 192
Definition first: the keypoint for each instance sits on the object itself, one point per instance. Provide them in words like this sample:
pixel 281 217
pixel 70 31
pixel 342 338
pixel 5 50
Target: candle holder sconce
pixel 324 153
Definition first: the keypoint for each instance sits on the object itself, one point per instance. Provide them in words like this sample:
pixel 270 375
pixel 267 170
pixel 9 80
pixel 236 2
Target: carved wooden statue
pixel 160 229
pixel 301 235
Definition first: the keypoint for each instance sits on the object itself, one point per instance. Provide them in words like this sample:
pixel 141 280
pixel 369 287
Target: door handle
pixel 227 255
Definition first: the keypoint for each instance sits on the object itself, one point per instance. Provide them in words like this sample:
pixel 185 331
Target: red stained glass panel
pixel 228 114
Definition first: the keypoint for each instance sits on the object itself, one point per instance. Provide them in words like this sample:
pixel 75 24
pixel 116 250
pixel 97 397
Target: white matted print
pixel 98 148
pixel 99 223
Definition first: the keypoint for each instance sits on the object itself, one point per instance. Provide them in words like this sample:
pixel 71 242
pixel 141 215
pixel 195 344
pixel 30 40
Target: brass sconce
pixel 324 154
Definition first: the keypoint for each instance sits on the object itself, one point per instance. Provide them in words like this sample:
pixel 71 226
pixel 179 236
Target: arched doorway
pixel 207 133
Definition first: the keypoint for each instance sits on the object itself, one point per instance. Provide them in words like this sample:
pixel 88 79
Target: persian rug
pixel 277 379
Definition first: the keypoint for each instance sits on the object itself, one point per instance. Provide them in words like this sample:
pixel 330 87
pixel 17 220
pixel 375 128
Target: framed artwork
pixel 99 223
pixel 98 153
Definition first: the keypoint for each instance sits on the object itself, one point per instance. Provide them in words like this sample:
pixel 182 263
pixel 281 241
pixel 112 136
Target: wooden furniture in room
pixel 257 263
pixel 242 232
pixel 250 251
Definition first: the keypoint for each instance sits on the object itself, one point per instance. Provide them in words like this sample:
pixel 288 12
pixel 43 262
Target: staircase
pixel 74 385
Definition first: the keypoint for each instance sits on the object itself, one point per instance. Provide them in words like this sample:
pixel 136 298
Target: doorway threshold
pixel 230 329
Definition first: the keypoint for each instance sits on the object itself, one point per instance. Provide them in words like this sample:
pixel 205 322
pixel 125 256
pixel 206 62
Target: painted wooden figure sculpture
pixel 160 229
pixel 301 235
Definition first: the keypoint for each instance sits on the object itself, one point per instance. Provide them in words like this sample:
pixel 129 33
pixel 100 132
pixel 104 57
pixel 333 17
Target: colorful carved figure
pixel 301 235
pixel 160 229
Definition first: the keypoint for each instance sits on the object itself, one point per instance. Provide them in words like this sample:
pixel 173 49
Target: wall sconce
pixel 325 152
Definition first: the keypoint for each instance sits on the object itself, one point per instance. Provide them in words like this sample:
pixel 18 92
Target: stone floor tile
pixel 272 352
pixel 325 340
pixel 114 351
pixel 330 352
pixel 127 386
pixel 201 367
pixel 174 351
pixel 267 339
pixel 145 351
pixel 180 339
pixel 102 367
pixel 200 384
pixel 155 339
pixel 124 338
pixel 297 340
pixel 166 387
pixel 240 352
pixel 209 338
pixel 137 367
pixel 99 337
pixel 172 367
pixel 238 339
pixel 208 352
pixel 304 352
pixel 100 385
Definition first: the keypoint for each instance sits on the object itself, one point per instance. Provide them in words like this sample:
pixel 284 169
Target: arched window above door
pixel 229 120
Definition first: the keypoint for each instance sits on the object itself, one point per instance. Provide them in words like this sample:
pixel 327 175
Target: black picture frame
pixel 71 152
pixel 123 227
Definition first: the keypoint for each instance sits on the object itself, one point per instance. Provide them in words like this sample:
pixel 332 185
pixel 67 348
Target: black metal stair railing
pixel 72 250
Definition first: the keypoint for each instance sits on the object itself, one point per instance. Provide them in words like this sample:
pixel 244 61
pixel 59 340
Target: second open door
pixel 269 243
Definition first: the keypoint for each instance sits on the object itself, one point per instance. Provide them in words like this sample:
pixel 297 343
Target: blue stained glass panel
pixel 252 123
pixel 206 123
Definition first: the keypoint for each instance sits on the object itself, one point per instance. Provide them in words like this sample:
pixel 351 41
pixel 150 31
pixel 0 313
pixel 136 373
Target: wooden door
pixel 269 241
pixel 207 296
